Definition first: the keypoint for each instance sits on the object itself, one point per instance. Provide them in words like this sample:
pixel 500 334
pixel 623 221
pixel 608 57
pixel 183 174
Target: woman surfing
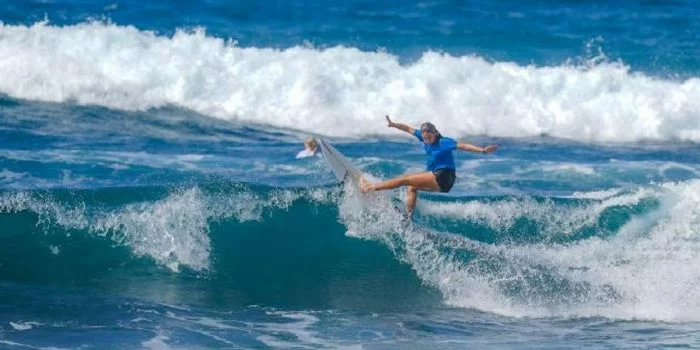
pixel 440 165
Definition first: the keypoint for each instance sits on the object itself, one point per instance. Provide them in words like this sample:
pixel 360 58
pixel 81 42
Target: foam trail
pixel 341 91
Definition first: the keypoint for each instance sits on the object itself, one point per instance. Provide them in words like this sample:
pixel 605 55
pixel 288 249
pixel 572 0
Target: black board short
pixel 445 179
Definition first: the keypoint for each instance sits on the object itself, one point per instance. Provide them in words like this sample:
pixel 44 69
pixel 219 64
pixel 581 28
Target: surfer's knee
pixel 412 189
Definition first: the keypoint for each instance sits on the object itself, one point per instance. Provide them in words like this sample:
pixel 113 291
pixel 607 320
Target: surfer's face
pixel 428 137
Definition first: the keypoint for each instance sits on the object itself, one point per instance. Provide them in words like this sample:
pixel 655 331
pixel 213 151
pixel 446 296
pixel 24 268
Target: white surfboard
pixel 341 167
pixel 345 171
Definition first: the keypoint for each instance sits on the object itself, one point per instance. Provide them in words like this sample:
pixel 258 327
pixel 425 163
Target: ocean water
pixel 150 196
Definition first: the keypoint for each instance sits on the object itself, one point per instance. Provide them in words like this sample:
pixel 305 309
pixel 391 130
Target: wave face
pixel 342 90
pixel 619 254
pixel 150 196
pixel 238 246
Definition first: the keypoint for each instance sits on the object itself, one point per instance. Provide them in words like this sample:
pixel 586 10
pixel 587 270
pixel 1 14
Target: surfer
pixel 310 148
pixel 440 169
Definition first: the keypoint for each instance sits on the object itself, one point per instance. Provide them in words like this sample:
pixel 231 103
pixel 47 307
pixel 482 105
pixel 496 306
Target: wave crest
pixel 341 91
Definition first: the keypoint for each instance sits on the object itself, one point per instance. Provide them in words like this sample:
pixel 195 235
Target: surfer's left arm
pixel 471 148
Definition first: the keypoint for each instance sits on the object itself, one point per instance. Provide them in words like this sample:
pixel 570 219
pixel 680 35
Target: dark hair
pixel 430 127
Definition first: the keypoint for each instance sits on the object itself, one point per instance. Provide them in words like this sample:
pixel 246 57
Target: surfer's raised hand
pixel 402 127
pixel 390 124
pixel 490 148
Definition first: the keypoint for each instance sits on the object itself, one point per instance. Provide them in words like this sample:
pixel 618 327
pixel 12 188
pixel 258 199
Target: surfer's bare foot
pixel 365 186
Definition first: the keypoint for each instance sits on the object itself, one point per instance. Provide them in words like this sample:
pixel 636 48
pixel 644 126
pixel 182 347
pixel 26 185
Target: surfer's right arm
pixel 403 127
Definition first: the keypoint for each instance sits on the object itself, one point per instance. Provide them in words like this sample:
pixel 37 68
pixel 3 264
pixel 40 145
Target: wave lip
pixel 341 91
pixel 173 228
pixel 172 231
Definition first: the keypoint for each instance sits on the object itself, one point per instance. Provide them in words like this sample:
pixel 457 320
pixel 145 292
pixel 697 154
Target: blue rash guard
pixel 439 153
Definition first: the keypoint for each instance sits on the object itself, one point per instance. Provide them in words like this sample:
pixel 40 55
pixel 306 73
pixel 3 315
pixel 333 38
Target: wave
pixel 620 254
pixel 341 91
pixel 173 231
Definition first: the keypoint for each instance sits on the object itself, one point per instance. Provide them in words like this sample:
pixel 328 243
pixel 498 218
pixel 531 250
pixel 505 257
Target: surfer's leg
pixel 421 181
pixel 411 197
pixel 424 181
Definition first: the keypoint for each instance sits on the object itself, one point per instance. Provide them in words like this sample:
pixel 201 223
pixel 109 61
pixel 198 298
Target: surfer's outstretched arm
pixel 403 127
pixel 471 148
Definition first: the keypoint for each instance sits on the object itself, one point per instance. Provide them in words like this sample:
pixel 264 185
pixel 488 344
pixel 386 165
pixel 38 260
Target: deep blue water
pixel 150 196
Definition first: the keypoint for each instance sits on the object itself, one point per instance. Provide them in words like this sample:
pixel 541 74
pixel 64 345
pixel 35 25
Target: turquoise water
pixel 150 197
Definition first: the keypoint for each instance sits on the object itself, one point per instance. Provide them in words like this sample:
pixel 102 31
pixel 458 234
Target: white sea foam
pixel 647 270
pixel 556 219
pixel 341 91
pixel 158 342
pixel 23 326
pixel 651 264
pixel 10 176
pixel 568 168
